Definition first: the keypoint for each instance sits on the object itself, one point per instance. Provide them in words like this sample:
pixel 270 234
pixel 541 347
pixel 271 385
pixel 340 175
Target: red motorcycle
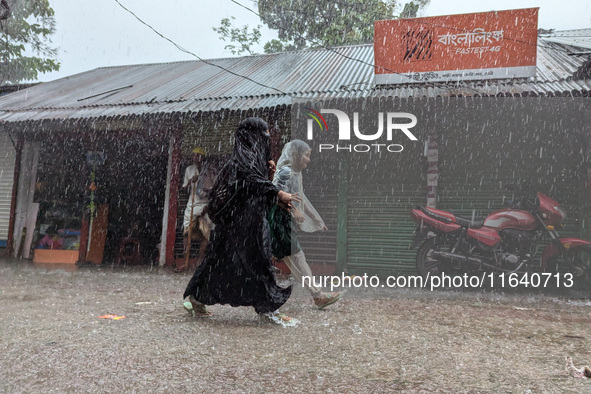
pixel 506 241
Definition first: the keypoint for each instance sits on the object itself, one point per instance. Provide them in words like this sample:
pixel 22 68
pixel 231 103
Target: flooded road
pixel 53 340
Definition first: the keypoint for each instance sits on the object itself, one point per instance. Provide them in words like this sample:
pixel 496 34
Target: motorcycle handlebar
pixel 522 203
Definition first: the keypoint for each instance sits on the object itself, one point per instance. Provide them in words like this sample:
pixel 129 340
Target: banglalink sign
pixel 485 45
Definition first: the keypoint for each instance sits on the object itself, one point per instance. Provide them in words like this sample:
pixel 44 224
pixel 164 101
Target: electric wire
pixel 196 56
pixel 432 84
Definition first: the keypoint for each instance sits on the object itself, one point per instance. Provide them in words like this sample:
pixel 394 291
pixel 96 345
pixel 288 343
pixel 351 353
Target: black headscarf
pixel 248 164
pixel 252 147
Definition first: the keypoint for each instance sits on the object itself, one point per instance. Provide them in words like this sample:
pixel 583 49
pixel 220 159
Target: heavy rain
pixel 366 196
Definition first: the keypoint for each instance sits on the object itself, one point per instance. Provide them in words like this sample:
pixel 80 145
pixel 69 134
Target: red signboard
pixel 485 45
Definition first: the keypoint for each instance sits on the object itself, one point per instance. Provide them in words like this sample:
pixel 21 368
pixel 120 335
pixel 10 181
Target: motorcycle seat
pixel 433 214
pixel 475 224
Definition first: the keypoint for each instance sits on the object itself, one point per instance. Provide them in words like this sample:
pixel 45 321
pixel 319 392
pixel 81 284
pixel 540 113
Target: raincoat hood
pixel 292 153
pixel 288 178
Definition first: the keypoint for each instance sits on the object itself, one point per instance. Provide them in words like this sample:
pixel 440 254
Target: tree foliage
pixel 301 24
pixel 244 38
pixel 25 41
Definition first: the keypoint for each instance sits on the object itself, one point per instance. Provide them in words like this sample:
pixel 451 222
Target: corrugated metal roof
pixel 580 38
pixel 338 72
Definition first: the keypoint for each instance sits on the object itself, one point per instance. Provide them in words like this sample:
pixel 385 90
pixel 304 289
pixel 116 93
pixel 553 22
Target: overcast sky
pixel 98 33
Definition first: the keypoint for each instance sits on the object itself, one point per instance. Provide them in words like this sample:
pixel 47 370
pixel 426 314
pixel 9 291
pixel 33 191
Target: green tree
pixel 301 24
pixel 25 41
pixel 239 35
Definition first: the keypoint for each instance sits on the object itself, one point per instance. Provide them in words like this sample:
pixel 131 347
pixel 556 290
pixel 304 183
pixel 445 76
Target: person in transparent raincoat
pixel 302 217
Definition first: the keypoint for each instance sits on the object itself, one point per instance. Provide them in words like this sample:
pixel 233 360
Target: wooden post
pixel 174 198
pixel 84 231
pixel 16 177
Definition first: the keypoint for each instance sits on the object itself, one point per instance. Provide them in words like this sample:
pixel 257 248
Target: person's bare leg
pixel 299 267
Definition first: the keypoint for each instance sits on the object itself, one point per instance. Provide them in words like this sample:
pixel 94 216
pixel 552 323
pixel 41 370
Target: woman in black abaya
pixel 237 269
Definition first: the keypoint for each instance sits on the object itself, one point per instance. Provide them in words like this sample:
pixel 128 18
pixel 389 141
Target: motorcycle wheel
pixel 579 271
pixel 427 265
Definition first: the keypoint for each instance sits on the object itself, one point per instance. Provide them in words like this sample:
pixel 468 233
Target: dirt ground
pixel 408 340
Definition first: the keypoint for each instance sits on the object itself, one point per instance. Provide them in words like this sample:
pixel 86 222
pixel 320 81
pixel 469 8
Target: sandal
pixel 189 308
pixel 326 299
pixel 280 319
pixel 196 309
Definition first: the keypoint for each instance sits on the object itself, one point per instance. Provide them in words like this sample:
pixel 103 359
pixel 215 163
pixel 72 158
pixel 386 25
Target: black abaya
pixel 236 269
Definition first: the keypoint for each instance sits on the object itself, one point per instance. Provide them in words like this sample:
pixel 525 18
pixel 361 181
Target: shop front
pixel 92 196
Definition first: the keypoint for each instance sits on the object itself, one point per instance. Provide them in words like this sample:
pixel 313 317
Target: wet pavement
pixel 408 340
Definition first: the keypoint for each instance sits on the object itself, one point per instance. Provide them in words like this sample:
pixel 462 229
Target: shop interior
pixel 113 182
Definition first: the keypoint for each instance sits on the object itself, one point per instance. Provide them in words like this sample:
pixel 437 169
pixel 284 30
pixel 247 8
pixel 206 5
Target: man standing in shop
pixel 196 222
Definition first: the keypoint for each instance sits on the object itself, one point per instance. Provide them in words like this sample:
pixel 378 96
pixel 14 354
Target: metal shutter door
pixel 379 227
